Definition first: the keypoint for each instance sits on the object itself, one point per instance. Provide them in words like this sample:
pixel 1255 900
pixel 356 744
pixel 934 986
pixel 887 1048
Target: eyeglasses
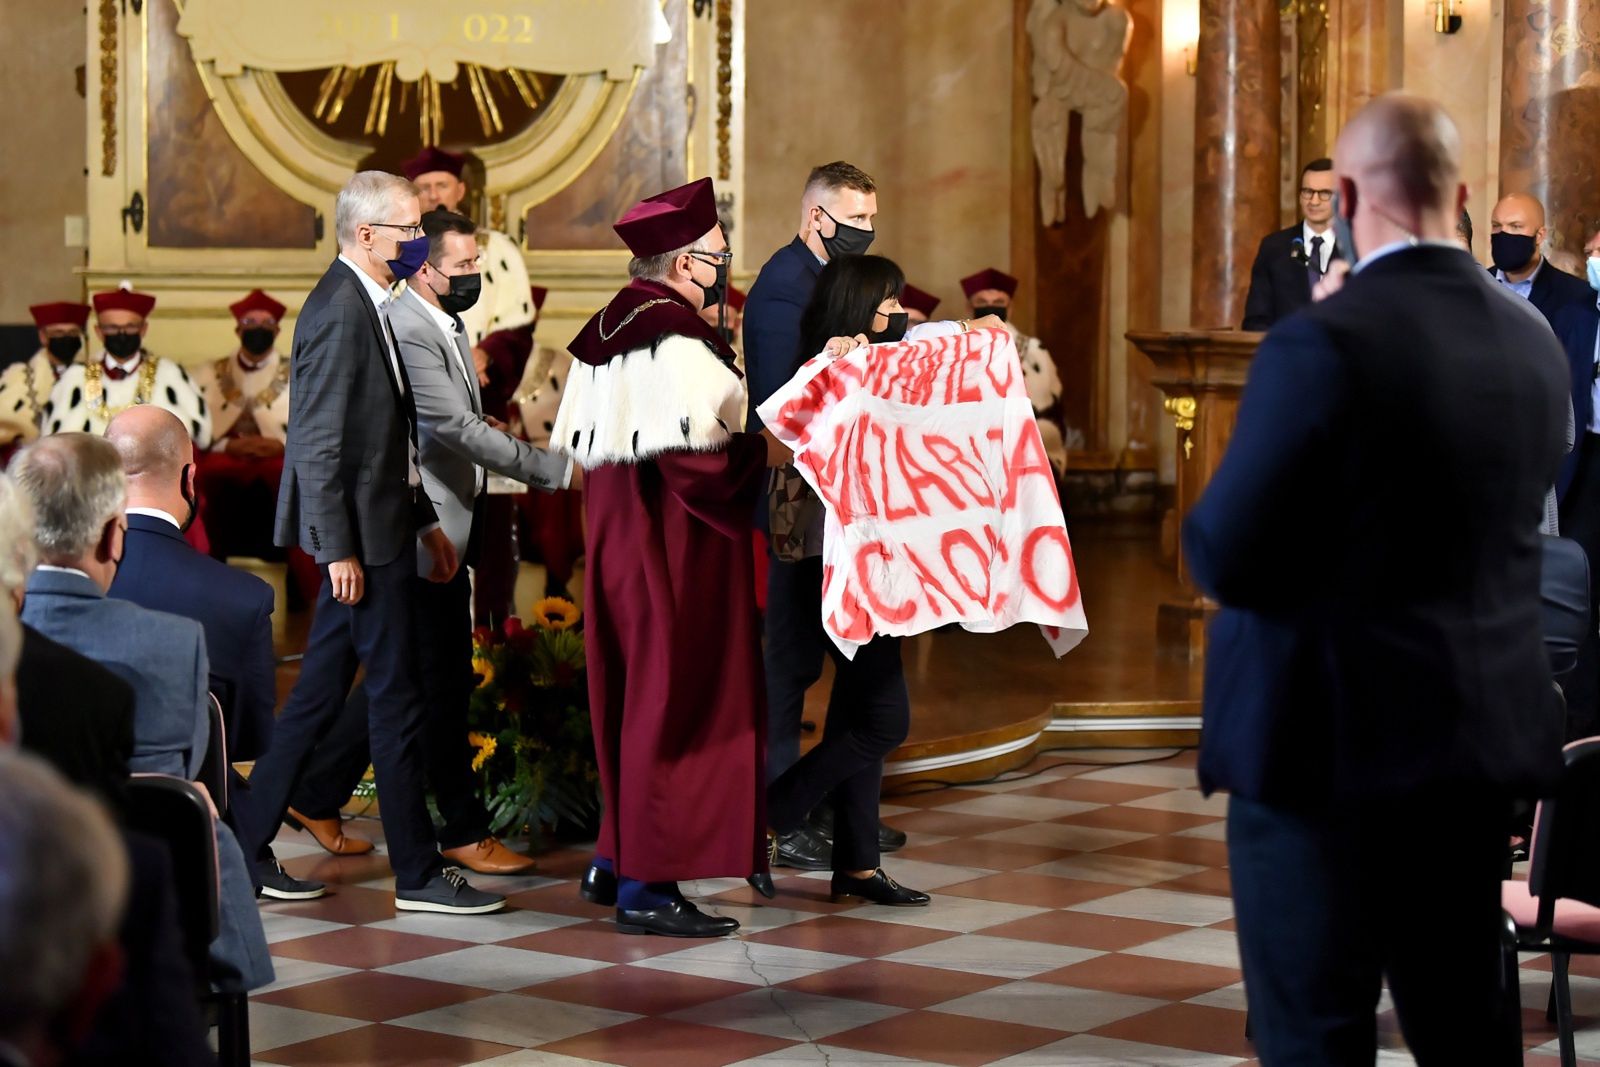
pixel 412 229
pixel 119 331
pixel 1321 196
pixel 721 257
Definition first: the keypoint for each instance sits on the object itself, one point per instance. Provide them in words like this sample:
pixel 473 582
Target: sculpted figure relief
pixel 1078 46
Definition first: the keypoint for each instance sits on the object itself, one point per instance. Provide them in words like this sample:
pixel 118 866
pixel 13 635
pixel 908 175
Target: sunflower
pixel 485 744
pixel 483 669
pixel 555 613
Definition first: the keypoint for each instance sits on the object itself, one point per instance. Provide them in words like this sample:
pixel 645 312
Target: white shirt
pixel 380 301
pixel 155 513
pixel 1400 246
pixel 1326 237
pixel 63 570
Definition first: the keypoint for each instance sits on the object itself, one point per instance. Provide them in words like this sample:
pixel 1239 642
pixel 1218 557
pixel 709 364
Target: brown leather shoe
pixel 329 834
pixel 488 856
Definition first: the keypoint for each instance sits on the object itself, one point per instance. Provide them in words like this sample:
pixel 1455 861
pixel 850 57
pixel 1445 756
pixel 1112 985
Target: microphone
pixel 1297 251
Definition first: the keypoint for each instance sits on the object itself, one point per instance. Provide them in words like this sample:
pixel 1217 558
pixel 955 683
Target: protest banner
pixel 941 504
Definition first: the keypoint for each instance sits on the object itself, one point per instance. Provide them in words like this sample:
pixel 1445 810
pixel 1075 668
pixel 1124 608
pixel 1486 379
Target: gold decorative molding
pixel 724 89
pixel 1183 409
pixel 108 87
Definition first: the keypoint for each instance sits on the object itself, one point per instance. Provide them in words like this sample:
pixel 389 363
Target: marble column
pixel 1550 115
pixel 1237 119
pixel 1364 56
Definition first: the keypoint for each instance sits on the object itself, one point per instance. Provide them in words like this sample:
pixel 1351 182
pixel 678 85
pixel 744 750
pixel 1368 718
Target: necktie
pixel 1315 263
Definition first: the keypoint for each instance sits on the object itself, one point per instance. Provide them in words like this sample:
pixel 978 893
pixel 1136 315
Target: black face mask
pixel 257 340
pixel 64 349
pixel 898 320
pixel 464 290
pixel 717 291
pixel 847 240
pixel 993 309
pixel 188 497
pixel 123 345
pixel 1511 251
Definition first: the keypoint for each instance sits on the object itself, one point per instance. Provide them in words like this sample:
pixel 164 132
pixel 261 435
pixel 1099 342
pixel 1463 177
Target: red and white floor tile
pixel 1080 916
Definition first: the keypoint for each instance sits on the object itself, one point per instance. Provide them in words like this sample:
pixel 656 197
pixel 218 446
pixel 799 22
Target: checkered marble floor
pixel 1079 916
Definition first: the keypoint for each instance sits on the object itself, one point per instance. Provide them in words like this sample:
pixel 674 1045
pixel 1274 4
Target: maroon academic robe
pixel 673 639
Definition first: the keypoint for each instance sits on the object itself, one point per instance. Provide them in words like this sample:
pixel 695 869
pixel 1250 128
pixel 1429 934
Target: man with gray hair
pixel 352 498
pixel 63 887
pixel 75 485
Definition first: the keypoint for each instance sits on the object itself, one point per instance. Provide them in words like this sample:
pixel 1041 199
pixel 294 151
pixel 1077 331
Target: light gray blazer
pixel 453 441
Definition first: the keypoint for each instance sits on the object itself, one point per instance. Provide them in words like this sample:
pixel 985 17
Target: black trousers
pixel 1321 923
pixel 380 634
pixel 869 713
pixel 1580 520
pixel 444 659
pixel 795 647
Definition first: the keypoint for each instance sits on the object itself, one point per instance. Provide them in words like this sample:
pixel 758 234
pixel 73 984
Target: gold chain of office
pixel 94 388
pixel 228 382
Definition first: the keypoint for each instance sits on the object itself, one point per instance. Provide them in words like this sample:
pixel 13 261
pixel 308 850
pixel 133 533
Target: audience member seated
pixel 75 485
pixel 162 572
pixel 990 292
pixel 25 387
pixel 63 892
pixel 74 714
pixel 919 305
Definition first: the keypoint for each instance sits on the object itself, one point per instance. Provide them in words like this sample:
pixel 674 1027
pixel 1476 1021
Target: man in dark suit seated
pixel 1289 262
pixel 1377 672
pixel 163 572
pixel 75 486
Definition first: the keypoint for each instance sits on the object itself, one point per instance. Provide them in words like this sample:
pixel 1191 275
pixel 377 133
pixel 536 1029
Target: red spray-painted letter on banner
pixel 941 505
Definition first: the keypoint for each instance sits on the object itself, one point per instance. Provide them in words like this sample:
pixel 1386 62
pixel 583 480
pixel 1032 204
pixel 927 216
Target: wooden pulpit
pixel 1202 373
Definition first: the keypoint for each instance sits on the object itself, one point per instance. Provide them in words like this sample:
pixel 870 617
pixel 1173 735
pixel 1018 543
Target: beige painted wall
pixel 43 130
pixel 915 92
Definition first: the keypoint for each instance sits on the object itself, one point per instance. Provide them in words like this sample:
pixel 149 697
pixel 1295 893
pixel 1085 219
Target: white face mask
pixel 1594 273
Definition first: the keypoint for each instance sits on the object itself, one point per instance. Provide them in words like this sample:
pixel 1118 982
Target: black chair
pixel 177 812
pixel 215 768
pixel 1557 910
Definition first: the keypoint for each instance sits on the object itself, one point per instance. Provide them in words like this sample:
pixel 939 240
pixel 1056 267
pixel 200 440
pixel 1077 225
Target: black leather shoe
pixel 678 919
pixel 889 839
pixel 879 889
pixel 599 886
pixel 803 850
pixel 762 883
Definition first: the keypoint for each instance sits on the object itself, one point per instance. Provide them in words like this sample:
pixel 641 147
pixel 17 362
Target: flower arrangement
pixel 529 724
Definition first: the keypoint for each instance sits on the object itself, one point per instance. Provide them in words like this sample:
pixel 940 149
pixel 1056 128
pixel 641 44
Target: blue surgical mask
pixel 1594 273
pixel 413 254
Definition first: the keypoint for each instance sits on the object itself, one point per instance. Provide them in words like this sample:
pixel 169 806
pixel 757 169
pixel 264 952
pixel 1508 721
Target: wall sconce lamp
pixel 1445 18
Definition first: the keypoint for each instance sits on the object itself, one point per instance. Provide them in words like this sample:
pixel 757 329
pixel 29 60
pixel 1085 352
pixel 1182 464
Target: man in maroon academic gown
pixel 672 637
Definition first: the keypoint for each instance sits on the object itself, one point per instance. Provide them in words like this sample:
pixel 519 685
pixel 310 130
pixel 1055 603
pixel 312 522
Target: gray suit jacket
pixel 454 440
pixel 346 489
pixel 162 656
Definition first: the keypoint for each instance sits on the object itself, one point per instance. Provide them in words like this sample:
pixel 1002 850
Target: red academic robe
pixel 676 686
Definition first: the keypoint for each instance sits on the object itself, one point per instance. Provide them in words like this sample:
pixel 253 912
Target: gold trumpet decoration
pixel 483 83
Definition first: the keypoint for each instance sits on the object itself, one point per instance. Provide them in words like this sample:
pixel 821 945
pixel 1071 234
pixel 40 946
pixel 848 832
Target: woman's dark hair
pixel 847 295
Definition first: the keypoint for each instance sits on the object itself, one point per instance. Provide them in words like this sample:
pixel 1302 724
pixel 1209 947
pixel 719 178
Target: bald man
pixel 161 571
pixel 1377 684
pixel 1517 235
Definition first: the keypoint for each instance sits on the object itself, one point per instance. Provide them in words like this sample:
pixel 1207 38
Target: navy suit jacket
pixel 163 572
pixel 162 656
pixel 1280 284
pixel 1372 537
pixel 1555 289
pixel 1576 325
pixel 772 323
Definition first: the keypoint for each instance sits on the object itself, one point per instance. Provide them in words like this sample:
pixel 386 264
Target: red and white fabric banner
pixel 941 504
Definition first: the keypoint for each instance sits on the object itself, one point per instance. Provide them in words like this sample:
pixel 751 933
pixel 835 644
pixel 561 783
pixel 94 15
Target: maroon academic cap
pixel 124 299
pixel 670 220
pixel 63 313
pixel 918 300
pixel 256 300
pixel 989 278
pixel 431 159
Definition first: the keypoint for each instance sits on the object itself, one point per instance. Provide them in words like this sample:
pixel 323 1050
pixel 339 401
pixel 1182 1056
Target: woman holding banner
pixel 856 302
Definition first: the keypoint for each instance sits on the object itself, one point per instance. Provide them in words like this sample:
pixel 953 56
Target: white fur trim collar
pixel 673 397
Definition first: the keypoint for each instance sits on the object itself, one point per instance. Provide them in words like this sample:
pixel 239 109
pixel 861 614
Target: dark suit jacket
pixel 162 572
pixel 1372 537
pixel 1575 325
pixel 772 322
pixel 76 715
pixel 1554 289
pixel 345 489
pixel 1279 283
